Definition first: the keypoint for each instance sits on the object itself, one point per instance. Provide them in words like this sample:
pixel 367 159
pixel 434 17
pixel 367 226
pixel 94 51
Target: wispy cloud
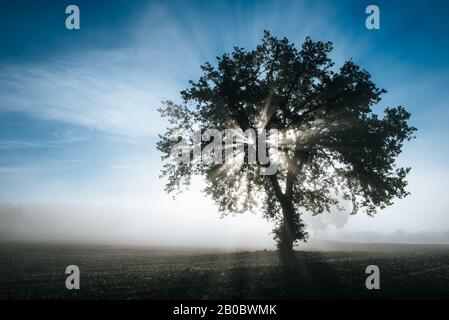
pixel 117 91
pixel 7 144
pixel 98 92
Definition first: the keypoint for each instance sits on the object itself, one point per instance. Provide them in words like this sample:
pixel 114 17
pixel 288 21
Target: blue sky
pixel 78 120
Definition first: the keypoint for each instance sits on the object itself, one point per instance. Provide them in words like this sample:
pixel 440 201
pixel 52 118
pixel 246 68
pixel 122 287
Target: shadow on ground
pixel 37 272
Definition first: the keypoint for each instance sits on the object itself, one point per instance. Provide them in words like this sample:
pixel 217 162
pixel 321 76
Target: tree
pixel 333 149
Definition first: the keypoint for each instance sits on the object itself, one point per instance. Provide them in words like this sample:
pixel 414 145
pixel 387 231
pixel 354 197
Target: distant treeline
pixel 395 237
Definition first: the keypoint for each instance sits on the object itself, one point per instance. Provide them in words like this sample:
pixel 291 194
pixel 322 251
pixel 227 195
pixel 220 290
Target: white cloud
pixel 100 91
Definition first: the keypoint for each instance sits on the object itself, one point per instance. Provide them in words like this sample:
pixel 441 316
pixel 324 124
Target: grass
pixel 36 271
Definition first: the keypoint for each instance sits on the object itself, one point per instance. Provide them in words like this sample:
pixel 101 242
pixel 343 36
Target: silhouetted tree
pixel 332 149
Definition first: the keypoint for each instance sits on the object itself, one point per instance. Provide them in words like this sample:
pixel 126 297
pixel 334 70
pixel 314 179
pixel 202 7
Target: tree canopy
pixel 333 151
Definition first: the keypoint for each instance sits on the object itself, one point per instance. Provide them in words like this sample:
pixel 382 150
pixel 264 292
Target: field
pixel 32 271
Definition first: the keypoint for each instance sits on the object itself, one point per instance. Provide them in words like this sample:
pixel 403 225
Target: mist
pixel 89 224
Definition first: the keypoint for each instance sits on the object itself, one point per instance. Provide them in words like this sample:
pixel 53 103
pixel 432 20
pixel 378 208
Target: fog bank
pixel 146 226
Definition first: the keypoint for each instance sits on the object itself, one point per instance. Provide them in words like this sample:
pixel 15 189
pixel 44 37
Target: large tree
pixel 334 152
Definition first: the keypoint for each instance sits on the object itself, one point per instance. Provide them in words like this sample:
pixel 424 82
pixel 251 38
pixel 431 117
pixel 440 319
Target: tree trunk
pixel 286 234
pixel 287 231
pixel 291 228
